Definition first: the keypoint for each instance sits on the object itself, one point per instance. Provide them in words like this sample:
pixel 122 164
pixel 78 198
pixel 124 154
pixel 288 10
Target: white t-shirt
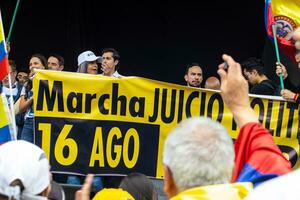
pixel 281 188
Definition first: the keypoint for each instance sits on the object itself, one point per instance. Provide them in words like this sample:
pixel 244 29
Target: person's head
pixel 56 62
pixel 24 171
pixel 112 194
pixel 22 76
pixel 212 83
pixel 37 61
pixel 297 57
pixel 193 75
pixel 198 152
pixel 87 62
pixel 110 61
pixel 12 73
pixel 296 37
pixel 139 186
pixel 253 70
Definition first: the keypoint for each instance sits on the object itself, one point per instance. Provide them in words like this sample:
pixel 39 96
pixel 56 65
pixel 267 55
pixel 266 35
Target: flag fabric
pixel 257 157
pixel 4 121
pixel 285 14
pixel 4 68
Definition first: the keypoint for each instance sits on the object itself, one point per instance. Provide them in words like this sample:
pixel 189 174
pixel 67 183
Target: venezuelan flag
pixel 285 14
pixel 4 121
pixel 4 69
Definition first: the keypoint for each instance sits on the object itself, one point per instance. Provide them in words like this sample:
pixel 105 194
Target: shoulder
pixel 266 87
pixel 117 75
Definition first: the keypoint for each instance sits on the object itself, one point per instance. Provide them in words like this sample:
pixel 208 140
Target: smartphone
pixel 226 66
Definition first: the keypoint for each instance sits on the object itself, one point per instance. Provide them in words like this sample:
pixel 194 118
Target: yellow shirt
pixel 235 191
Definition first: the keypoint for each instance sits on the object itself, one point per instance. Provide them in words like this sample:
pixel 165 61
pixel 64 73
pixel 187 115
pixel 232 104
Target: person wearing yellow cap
pixel 113 194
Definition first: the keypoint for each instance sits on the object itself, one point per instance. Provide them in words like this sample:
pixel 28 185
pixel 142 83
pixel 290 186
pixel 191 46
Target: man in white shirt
pixel 110 60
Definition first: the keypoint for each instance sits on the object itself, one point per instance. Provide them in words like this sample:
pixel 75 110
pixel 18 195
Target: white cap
pixel 24 161
pixel 88 56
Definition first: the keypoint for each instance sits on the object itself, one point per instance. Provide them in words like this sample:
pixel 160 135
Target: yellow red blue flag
pixel 4 69
pixel 4 122
pixel 285 14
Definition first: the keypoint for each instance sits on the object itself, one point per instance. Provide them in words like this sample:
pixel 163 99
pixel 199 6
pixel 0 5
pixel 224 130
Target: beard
pixel 195 84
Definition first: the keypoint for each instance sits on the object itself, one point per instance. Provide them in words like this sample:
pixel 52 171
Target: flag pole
pixel 13 21
pixel 274 27
pixel 12 110
pixel 11 103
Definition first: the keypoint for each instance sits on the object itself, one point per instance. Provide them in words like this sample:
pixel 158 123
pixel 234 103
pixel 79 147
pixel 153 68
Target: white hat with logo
pixel 88 56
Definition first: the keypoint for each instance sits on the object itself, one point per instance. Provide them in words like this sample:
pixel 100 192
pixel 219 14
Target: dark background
pixel 155 40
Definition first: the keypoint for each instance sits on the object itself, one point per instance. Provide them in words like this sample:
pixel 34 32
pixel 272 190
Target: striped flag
pixel 4 122
pixel 4 68
pixel 257 157
pixel 285 14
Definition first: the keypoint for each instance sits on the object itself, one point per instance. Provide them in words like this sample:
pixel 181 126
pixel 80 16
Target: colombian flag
pixel 4 121
pixel 257 157
pixel 285 14
pixel 4 69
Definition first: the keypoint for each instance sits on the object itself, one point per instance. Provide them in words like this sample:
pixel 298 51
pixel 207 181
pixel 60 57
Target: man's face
pixel 297 58
pixel 53 64
pixel 13 75
pixel 22 77
pixel 194 76
pixel 251 76
pixel 108 64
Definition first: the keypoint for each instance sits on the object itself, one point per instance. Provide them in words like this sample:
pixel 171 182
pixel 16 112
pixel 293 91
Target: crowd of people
pixel 200 160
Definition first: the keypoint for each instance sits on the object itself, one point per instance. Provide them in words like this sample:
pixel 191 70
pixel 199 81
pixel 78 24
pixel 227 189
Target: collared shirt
pixel 115 74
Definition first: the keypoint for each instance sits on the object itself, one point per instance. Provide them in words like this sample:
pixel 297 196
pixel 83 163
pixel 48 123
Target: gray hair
pixel 199 152
pixel 82 68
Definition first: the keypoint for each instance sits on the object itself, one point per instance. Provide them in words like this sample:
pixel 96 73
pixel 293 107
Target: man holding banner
pixel 253 69
pixel 110 61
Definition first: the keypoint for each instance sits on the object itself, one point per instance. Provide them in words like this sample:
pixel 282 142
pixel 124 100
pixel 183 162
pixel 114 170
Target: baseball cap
pixel 113 194
pixel 24 161
pixel 88 56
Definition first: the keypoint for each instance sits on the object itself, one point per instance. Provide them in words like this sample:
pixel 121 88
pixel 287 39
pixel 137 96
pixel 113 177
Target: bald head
pixel 296 37
pixel 212 83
